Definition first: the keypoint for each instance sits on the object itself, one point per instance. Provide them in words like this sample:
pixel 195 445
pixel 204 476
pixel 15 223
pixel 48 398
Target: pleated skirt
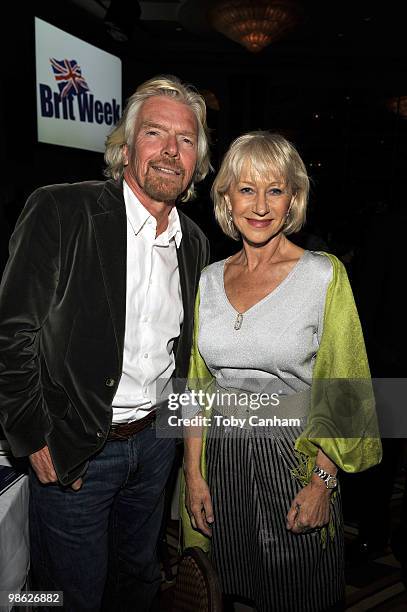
pixel 256 557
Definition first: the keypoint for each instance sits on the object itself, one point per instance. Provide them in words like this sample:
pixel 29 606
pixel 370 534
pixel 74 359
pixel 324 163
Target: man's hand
pixel 199 504
pixel 42 465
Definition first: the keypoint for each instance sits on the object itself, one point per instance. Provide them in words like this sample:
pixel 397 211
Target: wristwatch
pixel 330 481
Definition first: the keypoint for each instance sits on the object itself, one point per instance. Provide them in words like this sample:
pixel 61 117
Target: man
pixel 96 306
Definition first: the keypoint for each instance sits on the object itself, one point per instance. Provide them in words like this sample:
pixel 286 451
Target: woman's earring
pixel 287 216
pixel 230 220
pixel 291 205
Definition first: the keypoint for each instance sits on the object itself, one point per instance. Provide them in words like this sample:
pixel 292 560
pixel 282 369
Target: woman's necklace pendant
pixel 239 321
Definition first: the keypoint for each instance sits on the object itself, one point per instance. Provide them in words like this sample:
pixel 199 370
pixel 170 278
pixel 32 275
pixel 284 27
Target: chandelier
pixel 254 23
pixel 398 105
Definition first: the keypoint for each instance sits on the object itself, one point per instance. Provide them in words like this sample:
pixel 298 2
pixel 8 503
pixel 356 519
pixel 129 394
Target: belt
pixel 124 431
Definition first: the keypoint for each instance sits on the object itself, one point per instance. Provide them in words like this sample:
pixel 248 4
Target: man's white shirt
pixel 154 310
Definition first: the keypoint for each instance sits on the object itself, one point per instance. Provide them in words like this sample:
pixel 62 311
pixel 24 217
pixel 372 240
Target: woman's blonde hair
pixel 266 154
pixel 123 133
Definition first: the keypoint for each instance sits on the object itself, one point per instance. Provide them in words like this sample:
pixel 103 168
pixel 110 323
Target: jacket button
pixel 110 382
pixel 100 434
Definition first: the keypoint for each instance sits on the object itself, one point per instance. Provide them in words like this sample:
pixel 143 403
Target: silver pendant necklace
pixel 239 321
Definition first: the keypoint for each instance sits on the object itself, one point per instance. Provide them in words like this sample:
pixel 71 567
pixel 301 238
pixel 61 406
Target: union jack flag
pixel 68 75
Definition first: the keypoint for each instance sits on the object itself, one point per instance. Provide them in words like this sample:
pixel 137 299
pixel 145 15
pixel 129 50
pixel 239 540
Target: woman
pixel 277 319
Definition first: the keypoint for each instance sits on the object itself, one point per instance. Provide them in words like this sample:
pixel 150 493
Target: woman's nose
pixel 260 206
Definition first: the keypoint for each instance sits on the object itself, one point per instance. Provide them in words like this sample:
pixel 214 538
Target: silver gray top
pixel 276 345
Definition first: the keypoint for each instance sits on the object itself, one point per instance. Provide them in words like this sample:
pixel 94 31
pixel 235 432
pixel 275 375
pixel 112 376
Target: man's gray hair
pixel 123 133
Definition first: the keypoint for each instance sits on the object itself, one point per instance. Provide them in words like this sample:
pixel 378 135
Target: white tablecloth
pixel 14 539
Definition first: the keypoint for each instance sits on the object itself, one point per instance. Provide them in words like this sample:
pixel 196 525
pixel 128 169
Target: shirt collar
pixel 174 227
pixel 138 216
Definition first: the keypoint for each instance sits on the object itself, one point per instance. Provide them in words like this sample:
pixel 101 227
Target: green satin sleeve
pixel 199 378
pixel 342 420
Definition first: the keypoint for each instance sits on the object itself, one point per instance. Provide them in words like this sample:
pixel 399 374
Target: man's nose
pixel 171 146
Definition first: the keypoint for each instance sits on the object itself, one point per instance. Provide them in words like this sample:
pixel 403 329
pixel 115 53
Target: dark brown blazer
pixel 62 319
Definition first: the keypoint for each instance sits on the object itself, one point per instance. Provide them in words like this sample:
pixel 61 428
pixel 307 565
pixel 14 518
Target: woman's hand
pixel 310 508
pixel 199 504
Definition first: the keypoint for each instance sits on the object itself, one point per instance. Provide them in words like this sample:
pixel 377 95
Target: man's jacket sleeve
pixel 26 296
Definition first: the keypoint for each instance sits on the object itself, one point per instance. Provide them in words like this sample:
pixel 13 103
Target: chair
pixel 197 587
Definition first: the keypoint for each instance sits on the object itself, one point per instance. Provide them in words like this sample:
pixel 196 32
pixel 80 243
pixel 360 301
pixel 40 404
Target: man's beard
pixel 163 189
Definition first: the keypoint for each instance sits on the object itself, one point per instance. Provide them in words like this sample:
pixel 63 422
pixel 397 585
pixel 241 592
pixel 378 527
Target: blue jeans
pixel 98 544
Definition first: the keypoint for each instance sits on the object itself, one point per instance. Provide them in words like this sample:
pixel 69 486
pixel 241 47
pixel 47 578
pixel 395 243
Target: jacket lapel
pixel 188 264
pixel 111 237
pixel 188 270
pixel 110 228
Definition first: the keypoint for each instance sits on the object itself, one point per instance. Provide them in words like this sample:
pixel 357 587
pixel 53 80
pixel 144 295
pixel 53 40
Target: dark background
pixel 324 86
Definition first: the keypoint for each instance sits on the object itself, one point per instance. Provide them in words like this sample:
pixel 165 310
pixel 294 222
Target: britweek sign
pixel 79 90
